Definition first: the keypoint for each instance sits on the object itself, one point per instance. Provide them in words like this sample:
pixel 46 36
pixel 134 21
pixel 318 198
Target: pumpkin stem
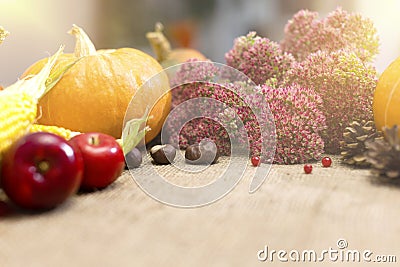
pixel 84 46
pixel 160 44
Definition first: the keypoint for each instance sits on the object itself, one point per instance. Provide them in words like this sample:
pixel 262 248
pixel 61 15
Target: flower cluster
pixel 188 73
pixel 248 114
pixel 345 84
pixel 195 117
pixel 330 56
pixel 306 34
pixel 299 123
pixel 221 111
pixel 259 58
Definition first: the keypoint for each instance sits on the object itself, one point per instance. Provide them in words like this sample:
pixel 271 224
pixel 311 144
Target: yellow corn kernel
pixel 60 131
pixel 17 112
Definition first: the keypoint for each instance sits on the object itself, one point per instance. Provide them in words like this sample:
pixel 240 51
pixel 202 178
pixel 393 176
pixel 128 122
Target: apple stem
pixel 43 166
pixel 94 140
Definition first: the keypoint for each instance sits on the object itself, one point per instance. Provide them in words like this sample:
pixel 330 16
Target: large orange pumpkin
pixel 94 94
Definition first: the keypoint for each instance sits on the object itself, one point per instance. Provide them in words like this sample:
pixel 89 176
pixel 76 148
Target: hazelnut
pixel 133 158
pixel 205 152
pixel 163 154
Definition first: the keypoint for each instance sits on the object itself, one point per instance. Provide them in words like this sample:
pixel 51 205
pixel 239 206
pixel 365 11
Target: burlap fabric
pixel 122 226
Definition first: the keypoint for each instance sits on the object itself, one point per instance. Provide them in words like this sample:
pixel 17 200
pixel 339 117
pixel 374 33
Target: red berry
pixel 308 168
pixel 255 161
pixel 326 162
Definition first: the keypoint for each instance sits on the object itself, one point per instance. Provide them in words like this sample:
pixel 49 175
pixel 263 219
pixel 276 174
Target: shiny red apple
pixel 40 171
pixel 103 159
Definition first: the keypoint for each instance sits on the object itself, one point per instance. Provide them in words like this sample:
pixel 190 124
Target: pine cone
pixel 384 154
pixel 353 145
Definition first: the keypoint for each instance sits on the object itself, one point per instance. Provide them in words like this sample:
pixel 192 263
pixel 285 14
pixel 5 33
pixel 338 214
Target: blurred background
pixel 39 27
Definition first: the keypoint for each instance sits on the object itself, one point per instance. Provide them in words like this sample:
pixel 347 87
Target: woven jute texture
pixel 123 226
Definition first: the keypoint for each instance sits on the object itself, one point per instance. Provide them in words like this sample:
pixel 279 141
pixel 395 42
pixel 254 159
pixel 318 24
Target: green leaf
pixel 35 85
pixel 134 132
pixel 56 75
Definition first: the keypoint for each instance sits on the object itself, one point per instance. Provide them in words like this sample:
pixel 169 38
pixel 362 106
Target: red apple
pixel 40 171
pixel 103 159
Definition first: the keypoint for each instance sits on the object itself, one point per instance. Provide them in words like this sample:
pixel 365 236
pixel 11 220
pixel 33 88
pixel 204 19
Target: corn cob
pixel 18 111
pixel 68 134
pixel 60 131
pixel 18 104
pixel 132 132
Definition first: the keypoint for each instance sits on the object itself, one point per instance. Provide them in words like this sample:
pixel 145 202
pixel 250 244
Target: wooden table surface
pixel 122 226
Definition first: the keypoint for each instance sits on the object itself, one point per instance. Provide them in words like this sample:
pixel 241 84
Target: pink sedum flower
pixel 305 33
pixel 259 58
pixel 299 123
pixel 345 84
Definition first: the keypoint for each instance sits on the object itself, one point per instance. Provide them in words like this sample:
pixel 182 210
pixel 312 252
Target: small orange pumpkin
pixel 165 54
pixel 94 94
